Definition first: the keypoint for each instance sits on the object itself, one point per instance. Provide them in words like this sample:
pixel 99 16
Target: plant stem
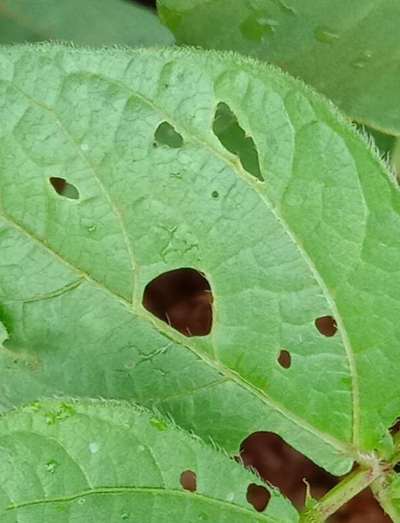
pixel 381 490
pixel 339 495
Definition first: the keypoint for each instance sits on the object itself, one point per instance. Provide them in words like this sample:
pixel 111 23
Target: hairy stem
pixel 381 490
pixel 343 492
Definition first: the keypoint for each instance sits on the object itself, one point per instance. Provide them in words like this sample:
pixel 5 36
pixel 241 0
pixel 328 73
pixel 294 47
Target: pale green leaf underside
pixel 87 22
pixel 348 50
pixel 319 237
pixel 109 461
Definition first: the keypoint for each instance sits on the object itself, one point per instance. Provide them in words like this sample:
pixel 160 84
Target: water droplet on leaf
pixel 93 447
pixel 230 497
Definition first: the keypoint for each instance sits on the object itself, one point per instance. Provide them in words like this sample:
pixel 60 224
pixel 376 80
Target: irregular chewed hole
pixel 227 129
pixel 183 299
pixel 284 359
pixel 286 468
pixel 166 135
pixel 326 325
pixel 281 465
pixel 258 496
pixel 63 188
pixel 188 480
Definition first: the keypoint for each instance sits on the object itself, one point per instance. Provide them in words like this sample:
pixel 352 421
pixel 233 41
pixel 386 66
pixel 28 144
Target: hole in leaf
pixel 188 480
pixel 285 359
pixel 63 188
pixel 396 468
pixel 283 466
pixel 258 496
pixel 183 299
pixel 166 135
pixel 326 325
pixel 227 129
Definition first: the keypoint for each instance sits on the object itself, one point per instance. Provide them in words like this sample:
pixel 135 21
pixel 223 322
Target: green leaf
pixel 91 22
pixel 348 50
pixel 109 461
pixel 318 238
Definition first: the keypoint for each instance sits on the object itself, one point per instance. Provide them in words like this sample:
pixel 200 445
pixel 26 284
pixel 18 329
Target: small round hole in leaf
pixel 258 496
pixel 64 188
pixel 326 325
pixel 167 135
pixel 188 480
pixel 183 299
pixel 285 359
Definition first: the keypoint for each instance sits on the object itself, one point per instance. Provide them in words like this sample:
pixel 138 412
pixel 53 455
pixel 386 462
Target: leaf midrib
pixel 142 490
pixel 177 338
pixel 343 447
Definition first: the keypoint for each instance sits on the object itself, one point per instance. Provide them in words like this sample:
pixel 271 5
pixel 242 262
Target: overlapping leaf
pixel 88 22
pixel 318 237
pixel 347 50
pixel 60 462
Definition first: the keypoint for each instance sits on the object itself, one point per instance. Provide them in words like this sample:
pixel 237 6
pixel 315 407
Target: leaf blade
pixel 343 52
pixel 90 23
pixel 80 471
pixel 127 352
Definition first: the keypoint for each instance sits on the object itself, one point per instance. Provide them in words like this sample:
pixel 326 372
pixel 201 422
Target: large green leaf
pixel 87 22
pixel 318 237
pixel 109 462
pixel 348 50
